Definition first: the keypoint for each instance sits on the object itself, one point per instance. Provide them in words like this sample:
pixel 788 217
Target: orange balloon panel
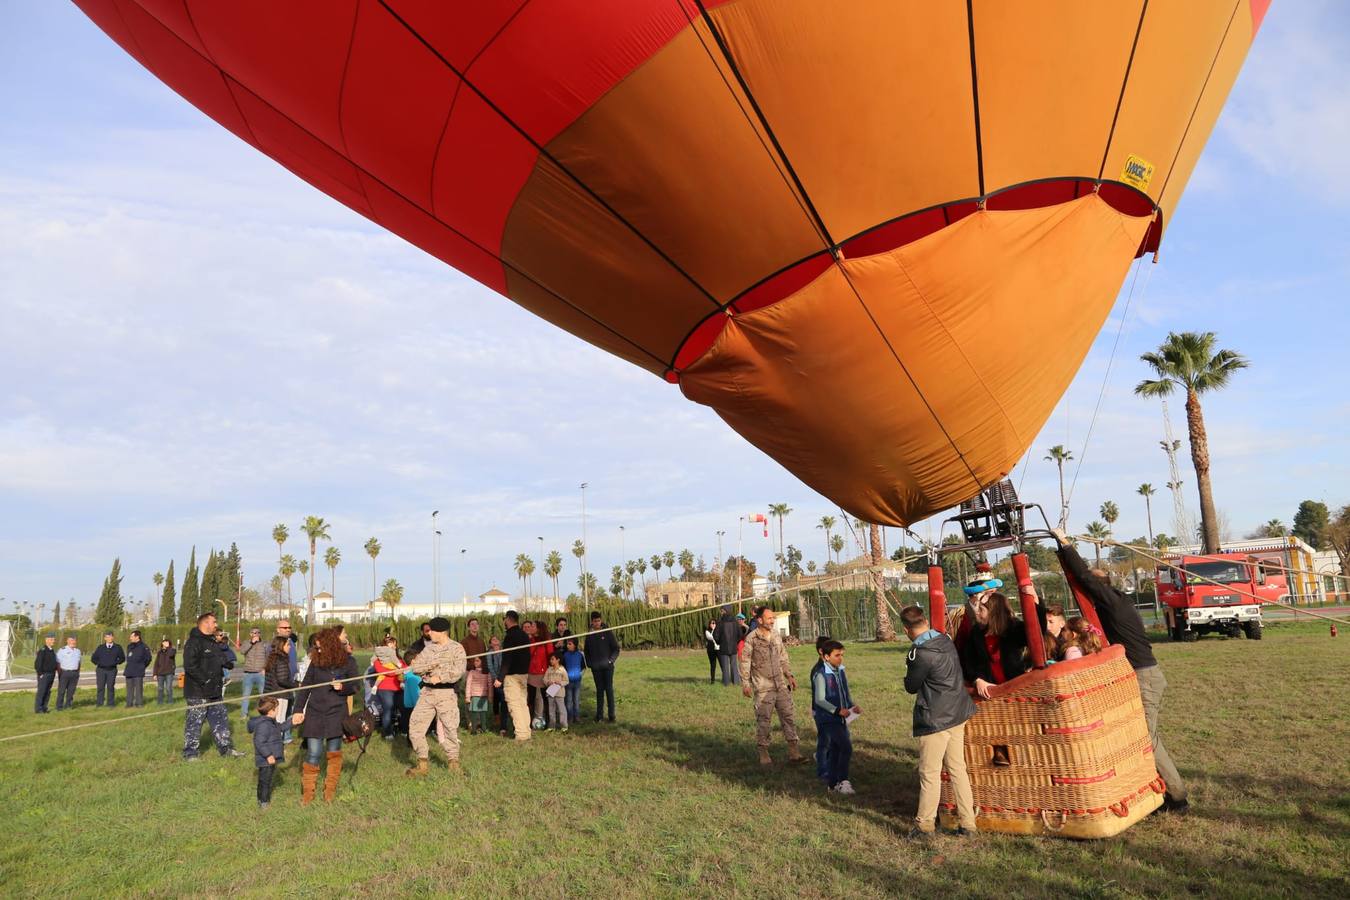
pixel 738 192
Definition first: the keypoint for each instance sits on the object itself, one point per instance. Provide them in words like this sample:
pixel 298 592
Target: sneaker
pixel 564 731
pixel 843 787
pixel 966 832
pixel 262 804
pixel 192 759
pixel 232 754
pixel 918 834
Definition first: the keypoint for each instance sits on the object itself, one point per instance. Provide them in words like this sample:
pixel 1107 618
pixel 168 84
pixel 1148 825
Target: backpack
pixel 358 725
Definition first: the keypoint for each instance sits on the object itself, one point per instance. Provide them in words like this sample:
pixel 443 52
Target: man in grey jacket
pixel 941 710
pixel 254 655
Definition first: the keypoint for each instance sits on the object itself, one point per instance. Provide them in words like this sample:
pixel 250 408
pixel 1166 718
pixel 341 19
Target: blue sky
pixel 195 345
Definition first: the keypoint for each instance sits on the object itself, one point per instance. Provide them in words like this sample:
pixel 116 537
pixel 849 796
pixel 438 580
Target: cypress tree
pixel 189 603
pixel 229 579
pixel 72 612
pixel 167 606
pixel 109 612
pixel 210 588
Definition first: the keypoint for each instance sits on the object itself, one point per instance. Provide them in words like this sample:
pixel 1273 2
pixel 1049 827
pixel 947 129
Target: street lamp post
pixel 740 556
pixel 585 581
pixel 435 564
pixel 464 594
pixel 541 568
pixel 623 547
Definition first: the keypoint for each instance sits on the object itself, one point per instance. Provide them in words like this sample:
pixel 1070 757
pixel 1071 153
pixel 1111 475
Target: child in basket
pixel 832 706
pixel 478 689
pixel 1079 639
pixel 555 689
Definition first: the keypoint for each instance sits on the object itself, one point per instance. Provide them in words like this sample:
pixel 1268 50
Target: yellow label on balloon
pixel 1138 172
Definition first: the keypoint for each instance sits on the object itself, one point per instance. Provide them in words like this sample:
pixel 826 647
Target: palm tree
pixel 280 533
pixel 391 594
pixel 1189 361
pixel 656 561
pixel 827 525
pixel 316 529
pixel 158 579
pixel 1274 528
pixel 669 559
pixel 331 557
pixel 372 550
pixel 287 568
pixel 579 551
pixel 630 569
pixel 553 568
pixel 1110 512
pixel 303 568
pixel 885 630
pixel 1098 532
pixel 781 511
pixel 1146 491
pixel 686 563
pixel 837 545
pixel 642 572
pixel 522 567
pixel 1060 456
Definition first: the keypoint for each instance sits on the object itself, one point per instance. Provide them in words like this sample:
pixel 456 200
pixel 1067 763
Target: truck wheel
pixel 1190 637
pixel 1253 630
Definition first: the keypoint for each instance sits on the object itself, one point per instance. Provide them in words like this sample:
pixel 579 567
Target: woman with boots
pixel 322 704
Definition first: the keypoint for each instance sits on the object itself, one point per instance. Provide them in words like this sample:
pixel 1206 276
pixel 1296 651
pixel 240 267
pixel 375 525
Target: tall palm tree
pixel 287 568
pixel 1059 456
pixel 331 557
pixel 159 588
pixel 669 559
pixel 837 545
pixel 656 561
pixel 642 573
pixel 391 594
pixel 316 529
pixel 523 567
pixel 686 563
pixel 553 568
pixel 827 525
pixel 630 569
pixel 1110 513
pixel 1188 361
pixel 373 549
pixel 781 511
pixel 579 551
pixel 280 533
pixel 1146 491
pixel 303 568
pixel 1098 532
pixel 885 630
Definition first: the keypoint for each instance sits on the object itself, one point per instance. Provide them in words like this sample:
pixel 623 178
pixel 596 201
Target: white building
pixel 326 611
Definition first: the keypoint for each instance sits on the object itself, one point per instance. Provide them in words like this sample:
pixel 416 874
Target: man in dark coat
pixel 45 666
pixel 941 710
pixel 106 658
pixel 602 651
pixel 728 637
pixel 203 665
pixel 138 658
pixel 515 671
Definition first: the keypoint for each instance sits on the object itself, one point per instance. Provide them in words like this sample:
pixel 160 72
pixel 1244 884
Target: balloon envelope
pixel 877 237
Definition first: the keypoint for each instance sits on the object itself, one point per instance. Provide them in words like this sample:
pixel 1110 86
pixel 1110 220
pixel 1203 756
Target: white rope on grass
pixel 328 684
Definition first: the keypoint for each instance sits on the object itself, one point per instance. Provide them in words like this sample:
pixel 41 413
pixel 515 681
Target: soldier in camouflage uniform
pixel 767 676
pixel 441 665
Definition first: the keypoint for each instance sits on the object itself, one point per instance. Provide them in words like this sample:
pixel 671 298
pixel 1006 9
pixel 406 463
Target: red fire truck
pixel 1219 592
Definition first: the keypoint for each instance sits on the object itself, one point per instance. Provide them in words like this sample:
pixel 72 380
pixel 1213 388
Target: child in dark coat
pixel 267 746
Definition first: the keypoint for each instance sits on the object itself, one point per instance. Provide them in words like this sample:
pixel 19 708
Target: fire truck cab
pixel 1219 593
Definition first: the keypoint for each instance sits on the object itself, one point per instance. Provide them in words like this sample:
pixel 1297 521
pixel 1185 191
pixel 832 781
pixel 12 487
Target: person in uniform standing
pixel 766 675
pixel 68 674
pixel 45 666
pixel 106 657
pixel 138 658
pixel 441 665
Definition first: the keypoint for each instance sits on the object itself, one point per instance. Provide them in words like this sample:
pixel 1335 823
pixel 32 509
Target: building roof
pixel 493 592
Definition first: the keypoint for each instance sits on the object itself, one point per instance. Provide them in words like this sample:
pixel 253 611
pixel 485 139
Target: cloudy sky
pixel 195 346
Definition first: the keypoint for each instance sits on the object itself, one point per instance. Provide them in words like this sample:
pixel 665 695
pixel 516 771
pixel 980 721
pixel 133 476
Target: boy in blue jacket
pixel 941 710
pixel 832 706
pixel 268 749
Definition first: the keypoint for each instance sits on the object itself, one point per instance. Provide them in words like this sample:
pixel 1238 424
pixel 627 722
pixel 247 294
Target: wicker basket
pixel 1081 762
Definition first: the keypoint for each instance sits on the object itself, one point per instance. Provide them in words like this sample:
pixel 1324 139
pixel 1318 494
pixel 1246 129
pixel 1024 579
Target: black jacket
pixel 138 657
pixel 602 649
pixel 324 707
pixel 106 657
pixel 934 674
pixel 267 742
pixel 515 661
pixel 164 660
pixel 728 634
pixel 45 664
pixel 1012 644
pixel 277 675
pixel 203 662
pixel 1120 620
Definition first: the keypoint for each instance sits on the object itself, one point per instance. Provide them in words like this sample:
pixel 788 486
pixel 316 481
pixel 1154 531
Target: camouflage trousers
pixel 197 713
pixel 765 704
pixel 443 706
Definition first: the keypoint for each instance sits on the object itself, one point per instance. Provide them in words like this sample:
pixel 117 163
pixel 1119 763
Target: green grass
pixel 670 801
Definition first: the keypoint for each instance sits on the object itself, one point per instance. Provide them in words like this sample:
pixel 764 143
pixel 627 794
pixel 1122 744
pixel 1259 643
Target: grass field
pixel 670 801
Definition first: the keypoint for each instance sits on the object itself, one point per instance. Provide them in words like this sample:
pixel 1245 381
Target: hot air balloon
pixel 876 236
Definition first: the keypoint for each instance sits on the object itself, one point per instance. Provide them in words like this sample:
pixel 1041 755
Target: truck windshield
pixel 1202 573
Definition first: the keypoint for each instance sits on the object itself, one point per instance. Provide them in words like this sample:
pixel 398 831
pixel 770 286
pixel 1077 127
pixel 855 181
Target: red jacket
pixel 388 682
pixel 539 655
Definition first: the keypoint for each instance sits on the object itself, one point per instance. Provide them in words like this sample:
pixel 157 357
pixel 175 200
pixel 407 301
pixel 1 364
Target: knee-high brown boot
pixel 309 779
pixel 332 776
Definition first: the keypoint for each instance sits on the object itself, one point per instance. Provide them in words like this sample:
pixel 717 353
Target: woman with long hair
pixel 323 705
pixel 277 677
pixel 164 671
pixel 996 646
pixel 710 644
pixel 540 649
